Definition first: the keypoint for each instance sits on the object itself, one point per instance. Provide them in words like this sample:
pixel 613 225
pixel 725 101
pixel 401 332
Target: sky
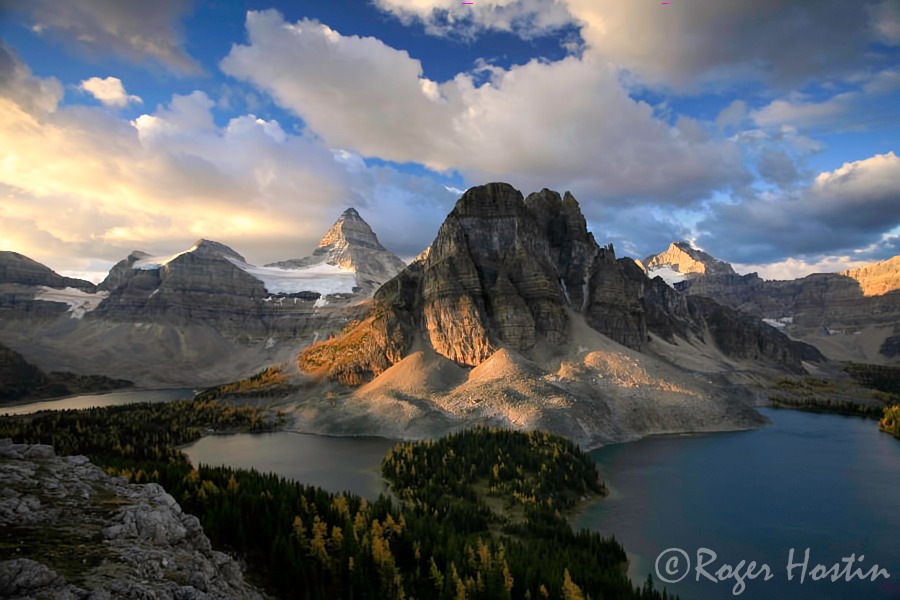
pixel 766 132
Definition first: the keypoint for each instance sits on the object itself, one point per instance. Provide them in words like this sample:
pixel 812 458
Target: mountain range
pixel 195 318
pixel 514 315
pixel 850 315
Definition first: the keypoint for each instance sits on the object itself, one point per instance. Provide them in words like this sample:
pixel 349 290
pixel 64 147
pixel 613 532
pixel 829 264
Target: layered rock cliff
pixel 878 278
pixel 71 531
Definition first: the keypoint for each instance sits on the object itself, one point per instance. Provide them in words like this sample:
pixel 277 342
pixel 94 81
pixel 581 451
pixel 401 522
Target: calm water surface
pixel 96 400
pixel 823 482
pixel 336 464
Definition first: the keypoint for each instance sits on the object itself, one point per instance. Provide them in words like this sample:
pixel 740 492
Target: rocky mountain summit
pixel 851 315
pixel 351 244
pixel 683 258
pixel 513 316
pixel 71 531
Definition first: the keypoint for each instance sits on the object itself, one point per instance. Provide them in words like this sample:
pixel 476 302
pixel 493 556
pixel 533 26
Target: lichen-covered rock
pixel 72 531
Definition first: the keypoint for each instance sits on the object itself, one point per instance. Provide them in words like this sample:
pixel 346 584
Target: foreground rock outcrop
pixel 69 530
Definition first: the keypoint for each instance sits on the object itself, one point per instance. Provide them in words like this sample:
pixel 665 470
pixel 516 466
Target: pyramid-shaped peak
pixel 351 229
pixel 682 257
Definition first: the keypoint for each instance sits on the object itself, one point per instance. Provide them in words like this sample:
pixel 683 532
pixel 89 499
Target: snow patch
pixel 270 343
pixel 320 302
pixel 80 302
pixel 153 293
pixel 668 274
pixel 322 278
pixel 779 323
pixel 152 263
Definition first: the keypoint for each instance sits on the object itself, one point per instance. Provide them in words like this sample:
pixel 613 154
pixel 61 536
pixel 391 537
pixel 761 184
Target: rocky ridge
pixel 69 530
pixel 851 315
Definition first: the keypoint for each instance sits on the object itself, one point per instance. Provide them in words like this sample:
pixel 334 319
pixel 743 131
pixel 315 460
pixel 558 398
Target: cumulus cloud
pixel 134 30
pixel 851 207
pixel 109 91
pixel 80 186
pixel 567 124
pixel 688 44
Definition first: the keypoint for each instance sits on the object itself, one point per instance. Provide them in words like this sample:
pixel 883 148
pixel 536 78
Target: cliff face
pixel 503 271
pixel 878 278
pixel 506 272
pixel 198 285
pixel 852 315
pixel 72 531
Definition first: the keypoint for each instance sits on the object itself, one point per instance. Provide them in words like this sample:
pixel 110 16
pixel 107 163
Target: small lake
pixel 97 400
pixel 823 482
pixel 336 464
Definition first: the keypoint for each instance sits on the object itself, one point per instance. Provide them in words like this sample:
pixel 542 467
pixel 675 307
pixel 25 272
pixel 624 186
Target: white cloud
pixel 109 91
pixel 80 187
pixel 132 29
pixel 567 124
